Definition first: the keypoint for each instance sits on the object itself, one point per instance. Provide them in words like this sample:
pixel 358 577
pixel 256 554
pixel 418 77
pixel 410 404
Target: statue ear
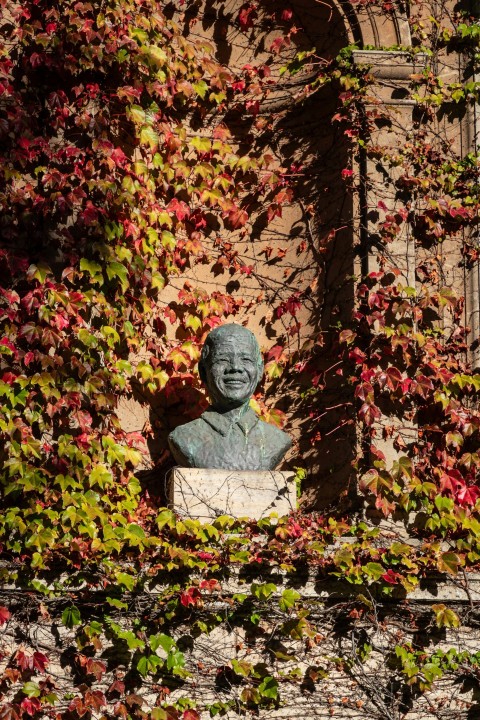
pixel 202 372
pixel 260 369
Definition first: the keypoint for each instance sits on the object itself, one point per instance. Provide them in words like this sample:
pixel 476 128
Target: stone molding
pixel 396 65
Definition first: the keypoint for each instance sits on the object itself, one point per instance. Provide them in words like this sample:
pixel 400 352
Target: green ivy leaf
pixel 375 570
pixel 71 616
pixel 288 599
pixel 203 145
pixel 263 591
pixel 137 114
pixel 268 688
pixel 119 604
pixel 93 269
pixel 201 88
pixel 126 580
pixel 40 271
pixel 149 137
pixel 445 617
pixel 31 689
pixel 148 664
pixel 161 640
pixel 448 562
pixel 87 338
pixel 116 269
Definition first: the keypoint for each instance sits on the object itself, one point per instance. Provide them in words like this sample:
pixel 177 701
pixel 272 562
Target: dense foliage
pixel 125 163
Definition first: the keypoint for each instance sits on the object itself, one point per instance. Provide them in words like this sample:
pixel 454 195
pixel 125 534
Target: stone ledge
pixel 311 584
pixel 391 64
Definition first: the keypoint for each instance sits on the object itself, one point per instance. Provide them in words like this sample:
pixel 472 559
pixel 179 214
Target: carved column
pixel 392 71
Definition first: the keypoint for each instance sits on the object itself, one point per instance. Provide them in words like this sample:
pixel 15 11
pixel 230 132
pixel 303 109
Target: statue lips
pixel 236 383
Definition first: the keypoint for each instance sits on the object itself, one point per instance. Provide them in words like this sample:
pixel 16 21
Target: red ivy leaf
pixel 96 668
pixel 369 413
pixel 29 356
pixel 40 661
pixel 116 687
pixel 391 577
pixel 78 706
pixel 5 341
pixel 90 214
pixel 384 505
pixel 273 211
pixel 118 157
pixel 209 585
pixel 468 495
pixel 252 107
pixel 237 218
pixel 24 661
pixel 180 209
pixel 30 705
pixel 9 712
pixel 246 269
pixel 4 615
pixel 191 596
pixel 392 377
pixel 247 15
pixel 422 386
pixel 276 45
pixel 276 352
pixel 190 715
pixel 94 699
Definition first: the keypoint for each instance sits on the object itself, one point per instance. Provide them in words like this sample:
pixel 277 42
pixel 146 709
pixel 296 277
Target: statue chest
pixel 234 450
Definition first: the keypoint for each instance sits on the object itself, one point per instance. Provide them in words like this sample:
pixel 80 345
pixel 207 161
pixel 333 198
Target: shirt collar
pixel 223 425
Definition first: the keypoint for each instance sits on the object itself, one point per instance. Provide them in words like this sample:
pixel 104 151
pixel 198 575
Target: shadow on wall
pixel 318 399
pixel 316 238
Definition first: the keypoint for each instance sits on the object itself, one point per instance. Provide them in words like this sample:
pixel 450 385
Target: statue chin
pixel 225 404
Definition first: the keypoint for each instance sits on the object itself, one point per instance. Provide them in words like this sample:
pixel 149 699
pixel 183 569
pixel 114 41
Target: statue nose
pixel 235 366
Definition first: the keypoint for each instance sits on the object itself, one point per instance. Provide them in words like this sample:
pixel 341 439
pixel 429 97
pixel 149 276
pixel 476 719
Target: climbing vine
pixel 137 157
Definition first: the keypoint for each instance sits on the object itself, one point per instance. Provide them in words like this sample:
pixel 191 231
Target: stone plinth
pixel 206 494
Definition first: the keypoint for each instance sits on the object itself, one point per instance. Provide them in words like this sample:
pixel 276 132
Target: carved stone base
pixel 206 494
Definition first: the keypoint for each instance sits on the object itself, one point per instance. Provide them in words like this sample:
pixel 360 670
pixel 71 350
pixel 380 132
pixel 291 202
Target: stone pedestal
pixel 205 494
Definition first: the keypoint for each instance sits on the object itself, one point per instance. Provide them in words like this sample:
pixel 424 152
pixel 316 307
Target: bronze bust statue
pixel 229 434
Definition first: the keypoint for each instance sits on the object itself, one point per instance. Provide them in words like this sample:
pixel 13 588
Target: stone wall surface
pixel 345 667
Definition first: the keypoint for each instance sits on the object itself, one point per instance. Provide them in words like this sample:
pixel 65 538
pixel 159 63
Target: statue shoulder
pixel 185 431
pixel 278 437
pixel 183 439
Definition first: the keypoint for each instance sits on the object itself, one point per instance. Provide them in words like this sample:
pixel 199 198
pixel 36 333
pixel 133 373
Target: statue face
pixel 232 372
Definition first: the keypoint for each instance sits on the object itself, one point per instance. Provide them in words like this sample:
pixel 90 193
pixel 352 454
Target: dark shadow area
pixel 317 397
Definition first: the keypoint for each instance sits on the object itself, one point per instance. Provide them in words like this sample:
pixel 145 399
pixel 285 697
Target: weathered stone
pixel 206 494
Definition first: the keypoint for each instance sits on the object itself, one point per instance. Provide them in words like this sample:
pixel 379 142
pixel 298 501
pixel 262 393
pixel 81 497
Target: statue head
pixel 230 365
